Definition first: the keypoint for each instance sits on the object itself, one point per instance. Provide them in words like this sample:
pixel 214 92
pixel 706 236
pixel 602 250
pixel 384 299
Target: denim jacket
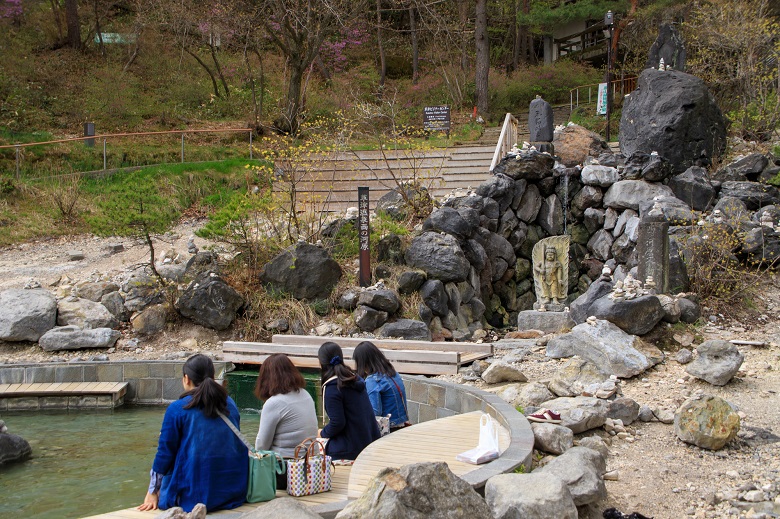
pixel 386 398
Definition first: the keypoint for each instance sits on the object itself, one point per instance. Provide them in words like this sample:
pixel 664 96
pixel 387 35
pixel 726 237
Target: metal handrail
pixel 506 140
pixel 105 137
pixel 622 86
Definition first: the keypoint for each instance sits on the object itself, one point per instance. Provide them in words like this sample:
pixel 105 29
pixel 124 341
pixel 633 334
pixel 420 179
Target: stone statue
pixel 550 259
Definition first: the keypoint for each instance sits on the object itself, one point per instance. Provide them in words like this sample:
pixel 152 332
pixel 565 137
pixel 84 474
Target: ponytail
pixel 208 394
pixel 332 364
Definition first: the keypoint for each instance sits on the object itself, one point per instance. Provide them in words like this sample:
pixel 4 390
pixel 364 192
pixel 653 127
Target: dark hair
pixel 278 376
pixel 208 394
pixel 332 364
pixel 369 359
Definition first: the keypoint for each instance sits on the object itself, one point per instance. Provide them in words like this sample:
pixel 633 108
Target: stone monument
pixel 550 258
pixel 668 49
pixel 653 249
pixel 541 125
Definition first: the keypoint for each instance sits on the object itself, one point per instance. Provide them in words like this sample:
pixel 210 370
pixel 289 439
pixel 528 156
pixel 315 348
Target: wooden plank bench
pixel 325 501
pixel 409 357
pixel 61 395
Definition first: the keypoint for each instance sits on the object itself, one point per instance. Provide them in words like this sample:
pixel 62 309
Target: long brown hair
pixel 369 360
pixel 278 376
pixel 208 394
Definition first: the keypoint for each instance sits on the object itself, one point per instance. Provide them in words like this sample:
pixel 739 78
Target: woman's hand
pixel 150 502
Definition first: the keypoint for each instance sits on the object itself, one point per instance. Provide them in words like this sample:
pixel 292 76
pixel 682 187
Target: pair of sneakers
pixel 544 416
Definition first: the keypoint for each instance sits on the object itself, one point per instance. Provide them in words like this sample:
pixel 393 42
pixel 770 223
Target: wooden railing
pixel 506 140
pixel 586 44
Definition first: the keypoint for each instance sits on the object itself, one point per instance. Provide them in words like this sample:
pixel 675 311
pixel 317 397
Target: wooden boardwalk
pixel 329 182
pixel 408 357
pixel 435 440
pixel 61 395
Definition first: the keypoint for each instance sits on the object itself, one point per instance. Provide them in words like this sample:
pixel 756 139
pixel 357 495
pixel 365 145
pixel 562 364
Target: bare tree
pixel 298 28
pixel 74 23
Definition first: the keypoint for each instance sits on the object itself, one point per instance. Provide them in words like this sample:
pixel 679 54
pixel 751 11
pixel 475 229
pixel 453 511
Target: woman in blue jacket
pixel 351 426
pixel 384 385
pixel 199 459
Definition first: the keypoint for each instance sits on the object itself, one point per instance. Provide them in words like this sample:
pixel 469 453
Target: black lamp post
pixel 609 20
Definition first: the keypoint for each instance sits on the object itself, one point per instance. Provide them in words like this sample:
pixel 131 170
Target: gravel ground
pixel 658 475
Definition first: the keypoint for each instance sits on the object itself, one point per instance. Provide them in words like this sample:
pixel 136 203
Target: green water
pixel 85 462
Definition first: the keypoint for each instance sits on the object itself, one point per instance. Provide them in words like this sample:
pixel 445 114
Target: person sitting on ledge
pixel 199 459
pixel 352 424
pixel 385 388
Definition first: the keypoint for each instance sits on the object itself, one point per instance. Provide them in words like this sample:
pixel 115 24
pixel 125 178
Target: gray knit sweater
pixel 286 421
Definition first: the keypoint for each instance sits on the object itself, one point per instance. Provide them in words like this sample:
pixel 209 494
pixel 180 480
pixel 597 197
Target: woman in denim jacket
pixel 385 387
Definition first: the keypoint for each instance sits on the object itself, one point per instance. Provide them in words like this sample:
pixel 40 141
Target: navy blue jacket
pixel 352 425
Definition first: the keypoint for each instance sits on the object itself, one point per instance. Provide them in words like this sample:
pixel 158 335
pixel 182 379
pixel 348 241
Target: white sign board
pixel 601 104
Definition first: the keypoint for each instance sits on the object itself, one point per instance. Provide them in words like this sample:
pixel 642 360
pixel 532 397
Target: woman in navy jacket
pixel 352 425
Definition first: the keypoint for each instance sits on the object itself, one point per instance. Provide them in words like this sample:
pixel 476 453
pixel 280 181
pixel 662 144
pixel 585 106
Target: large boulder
pixel 142 290
pixel 13 449
pixel 694 188
pixel 439 255
pixel 635 316
pixel 529 496
pixel 96 290
pixel 84 313
pixel 417 491
pixel 408 329
pixel 527 165
pixel 752 194
pixel 574 376
pixel 608 347
pixel 286 507
pixel 580 413
pixel 75 338
pixel 210 301
pixel 25 315
pixel 450 221
pixel 573 144
pixel 673 113
pixel 304 271
pixel 628 194
pixel 581 469
pixel 580 306
pixel 552 438
pixel 717 362
pixel 382 299
pixel 706 421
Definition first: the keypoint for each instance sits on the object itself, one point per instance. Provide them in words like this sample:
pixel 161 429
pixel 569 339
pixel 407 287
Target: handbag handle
pixel 278 461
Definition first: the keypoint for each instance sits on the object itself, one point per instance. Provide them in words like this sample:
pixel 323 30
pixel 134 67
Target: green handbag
pixel 263 468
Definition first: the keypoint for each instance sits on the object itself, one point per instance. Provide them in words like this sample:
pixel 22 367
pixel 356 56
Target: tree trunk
pixel 323 68
pixel 98 31
pixel 206 67
pixel 262 82
pixel 515 36
pixel 382 61
pixel 415 48
pixel 252 87
pixel 463 18
pixel 219 69
pixel 56 11
pixel 293 97
pixel 483 57
pixel 73 23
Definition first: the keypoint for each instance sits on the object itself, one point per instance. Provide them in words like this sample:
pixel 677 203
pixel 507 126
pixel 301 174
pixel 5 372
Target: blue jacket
pixel 351 425
pixel 201 460
pixel 388 396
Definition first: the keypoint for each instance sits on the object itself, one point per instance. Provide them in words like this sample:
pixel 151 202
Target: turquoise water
pixel 85 462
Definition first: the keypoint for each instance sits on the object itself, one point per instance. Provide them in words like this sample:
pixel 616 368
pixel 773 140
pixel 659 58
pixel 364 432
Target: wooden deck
pixel 435 440
pixel 409 357
pixel 62 395
pixel 63 389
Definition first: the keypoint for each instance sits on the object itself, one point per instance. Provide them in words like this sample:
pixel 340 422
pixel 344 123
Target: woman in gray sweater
pixel 288 415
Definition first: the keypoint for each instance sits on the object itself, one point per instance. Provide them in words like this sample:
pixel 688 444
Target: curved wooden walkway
pixel 435 440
